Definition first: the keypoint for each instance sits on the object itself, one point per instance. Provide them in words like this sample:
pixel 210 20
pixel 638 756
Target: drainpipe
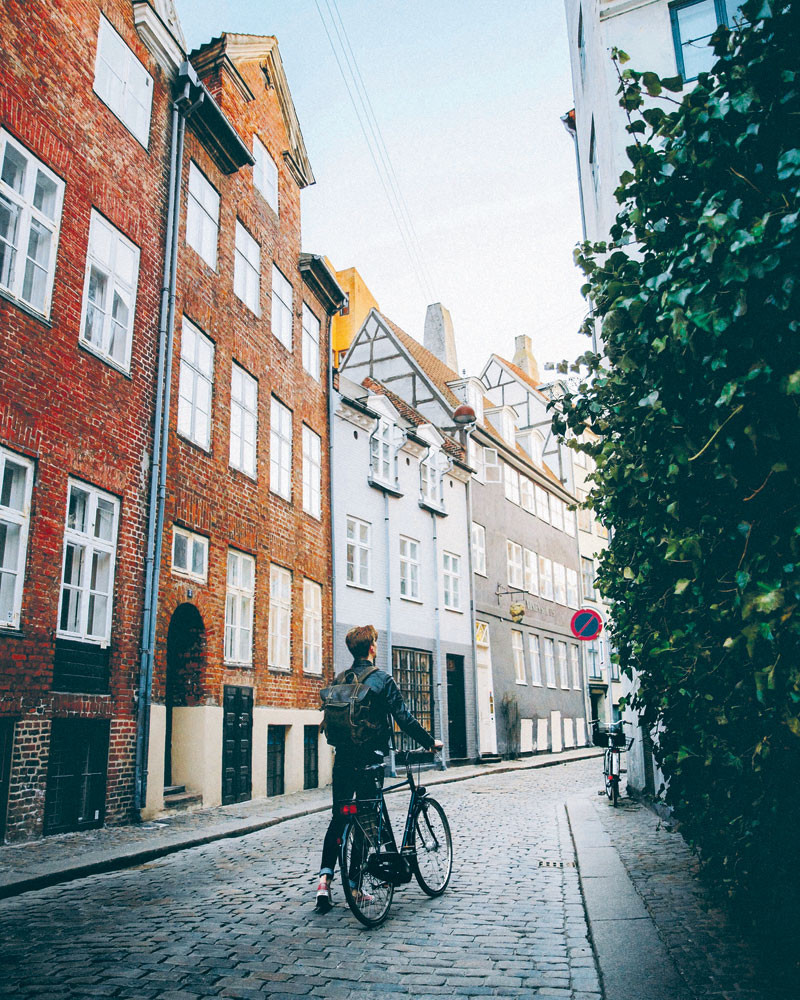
pixel 438 640
pixel 569 122
pixel 181 111
pixel 330 493
pixel 472 610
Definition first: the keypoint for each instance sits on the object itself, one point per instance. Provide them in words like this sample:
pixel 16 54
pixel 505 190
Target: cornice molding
pixel 164 42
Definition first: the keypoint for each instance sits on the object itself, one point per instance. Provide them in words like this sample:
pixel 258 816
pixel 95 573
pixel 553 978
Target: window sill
pixel 28 310
pixel 433 508
pixel 201 581
pixel 522 683
pixel 12 630
pixel 457 611
pixel 89 641
pixel 250 476
pixel 206 448
pixel 360 586
pixel 84 346
pixel 311 514
pixel 536 684
pixel 280 496
pixel 285 671
pixel 378 484
pixel 237 665
pixel 307 673
pixel 411 600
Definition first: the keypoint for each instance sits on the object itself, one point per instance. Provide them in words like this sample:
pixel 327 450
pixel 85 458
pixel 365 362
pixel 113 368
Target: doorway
pixel 456 708
pixel 6 748
pixel 186 655
pixel 486 723
pixel 237 744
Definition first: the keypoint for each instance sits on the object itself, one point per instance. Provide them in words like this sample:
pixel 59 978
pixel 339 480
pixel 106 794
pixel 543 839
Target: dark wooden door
pixel 76 775
pixel 6 747
pixel 456 708
pixel 237 744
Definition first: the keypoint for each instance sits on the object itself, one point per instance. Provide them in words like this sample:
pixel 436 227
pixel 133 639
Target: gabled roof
pixel 437 371
pixel 523 376
pixel 413 416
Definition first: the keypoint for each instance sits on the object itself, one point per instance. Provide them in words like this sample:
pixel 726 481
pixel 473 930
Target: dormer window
pixel 508 425
pixel 474 398
pixel 431 474
pixel 382 453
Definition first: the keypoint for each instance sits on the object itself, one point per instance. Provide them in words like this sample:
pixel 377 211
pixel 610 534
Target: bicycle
pixel 613 739
pixel 371 864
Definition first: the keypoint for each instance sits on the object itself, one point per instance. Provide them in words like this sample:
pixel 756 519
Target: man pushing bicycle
pixel 358 711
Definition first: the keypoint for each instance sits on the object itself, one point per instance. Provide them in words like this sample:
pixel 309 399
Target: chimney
pixel 524 359
pixel 439 338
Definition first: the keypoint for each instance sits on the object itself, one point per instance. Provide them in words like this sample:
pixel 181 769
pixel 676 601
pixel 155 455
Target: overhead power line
pixel 362 105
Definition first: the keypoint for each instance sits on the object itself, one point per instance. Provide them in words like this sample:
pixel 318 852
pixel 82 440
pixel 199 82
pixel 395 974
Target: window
pixel 549 662
pixel 359 547
pixel 276 759
pixel 431 475
pixel 614 660
pixel 531 574
pixel 587 578
pixel 600 529
pixel 508 425
pixel 476 460
pixel 280 449
pixel 526 494
pixel 109 292
pixel 557 513
pixel 514 565
pixel 381 453
pixel 31 198
pixel 189 554
pixel 281 308
pixel 491 466
pixel 593 651
pixel 545 578
pixel 194 389
pixel 312 627
pixel 247 269
pixel 693 24
pixel 122 82
pixel 543 504
pixel 265 173
pixel 239 592
pixel 16 485
pixel 311 327
pixel 451 578
pixel 311 472
pixel 569 521
pixel 280 617
pixel 581 44
pixel 559 583
pixel 536 666
pixel 594 165
pixel 409 568
pixel 572 588
pixel 473 396
pixel 574 666
pixel 310 756
pixel 562 664
pixel 479 548
pixel 584 513
pixel 518 653
pixel 511 481
pixel 87 586
pixel 244 417
pixel 202 217
pixel 412 669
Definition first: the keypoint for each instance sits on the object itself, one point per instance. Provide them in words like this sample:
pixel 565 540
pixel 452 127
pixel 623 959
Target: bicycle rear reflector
pixel 350 809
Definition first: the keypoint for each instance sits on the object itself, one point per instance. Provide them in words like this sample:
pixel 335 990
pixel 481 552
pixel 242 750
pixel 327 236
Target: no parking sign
pixel 586 624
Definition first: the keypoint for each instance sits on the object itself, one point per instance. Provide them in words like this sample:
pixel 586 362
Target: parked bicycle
pixel 371 864
pixel 613 739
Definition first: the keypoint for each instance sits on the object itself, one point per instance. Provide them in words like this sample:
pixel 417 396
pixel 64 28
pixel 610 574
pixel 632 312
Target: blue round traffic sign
pixel 586 624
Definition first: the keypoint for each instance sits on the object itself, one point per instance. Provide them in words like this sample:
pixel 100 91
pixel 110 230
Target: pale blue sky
pixel 468 97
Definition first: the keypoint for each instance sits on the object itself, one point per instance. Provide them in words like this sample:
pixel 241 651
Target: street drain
pixel 556 864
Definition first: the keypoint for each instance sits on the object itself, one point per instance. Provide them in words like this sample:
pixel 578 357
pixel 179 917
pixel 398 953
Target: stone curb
pixel 130 858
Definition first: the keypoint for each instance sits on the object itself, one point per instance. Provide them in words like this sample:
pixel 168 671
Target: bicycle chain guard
pixel 388 866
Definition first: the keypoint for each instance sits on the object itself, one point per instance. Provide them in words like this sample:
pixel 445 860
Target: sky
pixel 468 97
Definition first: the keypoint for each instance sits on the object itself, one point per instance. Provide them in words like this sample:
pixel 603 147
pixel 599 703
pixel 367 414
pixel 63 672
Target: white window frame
pixel 491 466
pixel 195 385
pixel 518 656
pixel 545 578
pixel 569 521
pixel 239 601
pixel 17 265
pixel 382 453
pixel 122 83
pixel 575 668
pixel 279 655
pixel 431 479
pixel 542 504
pixel 194 543
pixel 92 547
pixel 410 568
pixel 530 570
pixel 202 216
pixel 265 174
pixel 451 581
pixel 281 314
pixel 247 269
pixel 280 449
pixel 17 519
pixel 550 662
pixel 561 659
pixel 526 494
pixel 557 513
pixel 478 548
pixel 312 472
pixel 312 627
pixel 244 421
pixel 358 553
pixel 511 483
pixel 118 285
pixel 535 656
pixel 514 569
pixel 476 460
pixel 311 340
pixel 588 567
pixel 559 583
pixel 572 588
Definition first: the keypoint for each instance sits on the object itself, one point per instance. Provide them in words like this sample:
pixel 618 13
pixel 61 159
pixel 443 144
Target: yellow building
pixel 345 325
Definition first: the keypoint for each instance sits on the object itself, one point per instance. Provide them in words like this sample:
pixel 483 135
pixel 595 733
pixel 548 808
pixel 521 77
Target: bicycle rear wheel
pixel 608 774
pixel 367 896
pixel 433 861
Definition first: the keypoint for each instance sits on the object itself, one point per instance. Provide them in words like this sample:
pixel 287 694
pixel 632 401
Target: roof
pixel 437 371
pixel 520 374
pixel 413 416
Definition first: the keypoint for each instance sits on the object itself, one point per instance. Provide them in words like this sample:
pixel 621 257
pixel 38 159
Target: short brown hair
pixel 360 638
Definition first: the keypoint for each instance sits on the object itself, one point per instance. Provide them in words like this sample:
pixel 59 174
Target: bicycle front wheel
pixel 367 895
pixel 433 861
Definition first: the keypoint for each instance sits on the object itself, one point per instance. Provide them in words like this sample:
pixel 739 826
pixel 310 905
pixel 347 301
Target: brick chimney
pixel 524 359
pixel 439 338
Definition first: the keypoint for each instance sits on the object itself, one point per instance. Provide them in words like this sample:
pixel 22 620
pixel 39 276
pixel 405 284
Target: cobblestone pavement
pixel 708 951
pixel 234 918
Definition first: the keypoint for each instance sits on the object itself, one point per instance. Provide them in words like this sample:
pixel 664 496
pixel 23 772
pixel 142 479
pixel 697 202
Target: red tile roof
pixel 413 416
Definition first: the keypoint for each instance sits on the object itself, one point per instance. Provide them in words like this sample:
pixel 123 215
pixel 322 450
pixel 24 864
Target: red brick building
pixel 83 161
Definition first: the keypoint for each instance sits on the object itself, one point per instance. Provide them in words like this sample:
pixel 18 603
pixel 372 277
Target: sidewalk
pixel 69 856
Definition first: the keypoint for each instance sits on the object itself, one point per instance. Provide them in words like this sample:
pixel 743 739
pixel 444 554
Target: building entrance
pixel 186 659
pixel 456 709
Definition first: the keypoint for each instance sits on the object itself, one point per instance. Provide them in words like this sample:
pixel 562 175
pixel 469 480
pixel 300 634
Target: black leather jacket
pixel 389 702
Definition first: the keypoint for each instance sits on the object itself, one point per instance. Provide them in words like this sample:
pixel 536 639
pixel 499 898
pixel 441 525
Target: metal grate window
pixel 276 757
pixel 76 775
pixel 311 757
pixel 412 669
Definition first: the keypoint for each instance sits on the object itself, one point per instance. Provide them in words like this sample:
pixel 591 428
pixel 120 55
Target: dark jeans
pixel 349 780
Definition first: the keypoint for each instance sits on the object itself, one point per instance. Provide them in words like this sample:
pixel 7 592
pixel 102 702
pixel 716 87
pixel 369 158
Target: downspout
pixel 472 609
pixel 330 495
pixel 570 125
pixel 438 639
pixel 158 465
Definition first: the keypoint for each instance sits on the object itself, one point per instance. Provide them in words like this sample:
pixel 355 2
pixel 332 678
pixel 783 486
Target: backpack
pixel 349 716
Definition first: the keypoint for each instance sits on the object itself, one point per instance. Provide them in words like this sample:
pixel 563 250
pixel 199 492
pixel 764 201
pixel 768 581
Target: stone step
pixel 174 789
pixel 179 801
pixel 490 758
